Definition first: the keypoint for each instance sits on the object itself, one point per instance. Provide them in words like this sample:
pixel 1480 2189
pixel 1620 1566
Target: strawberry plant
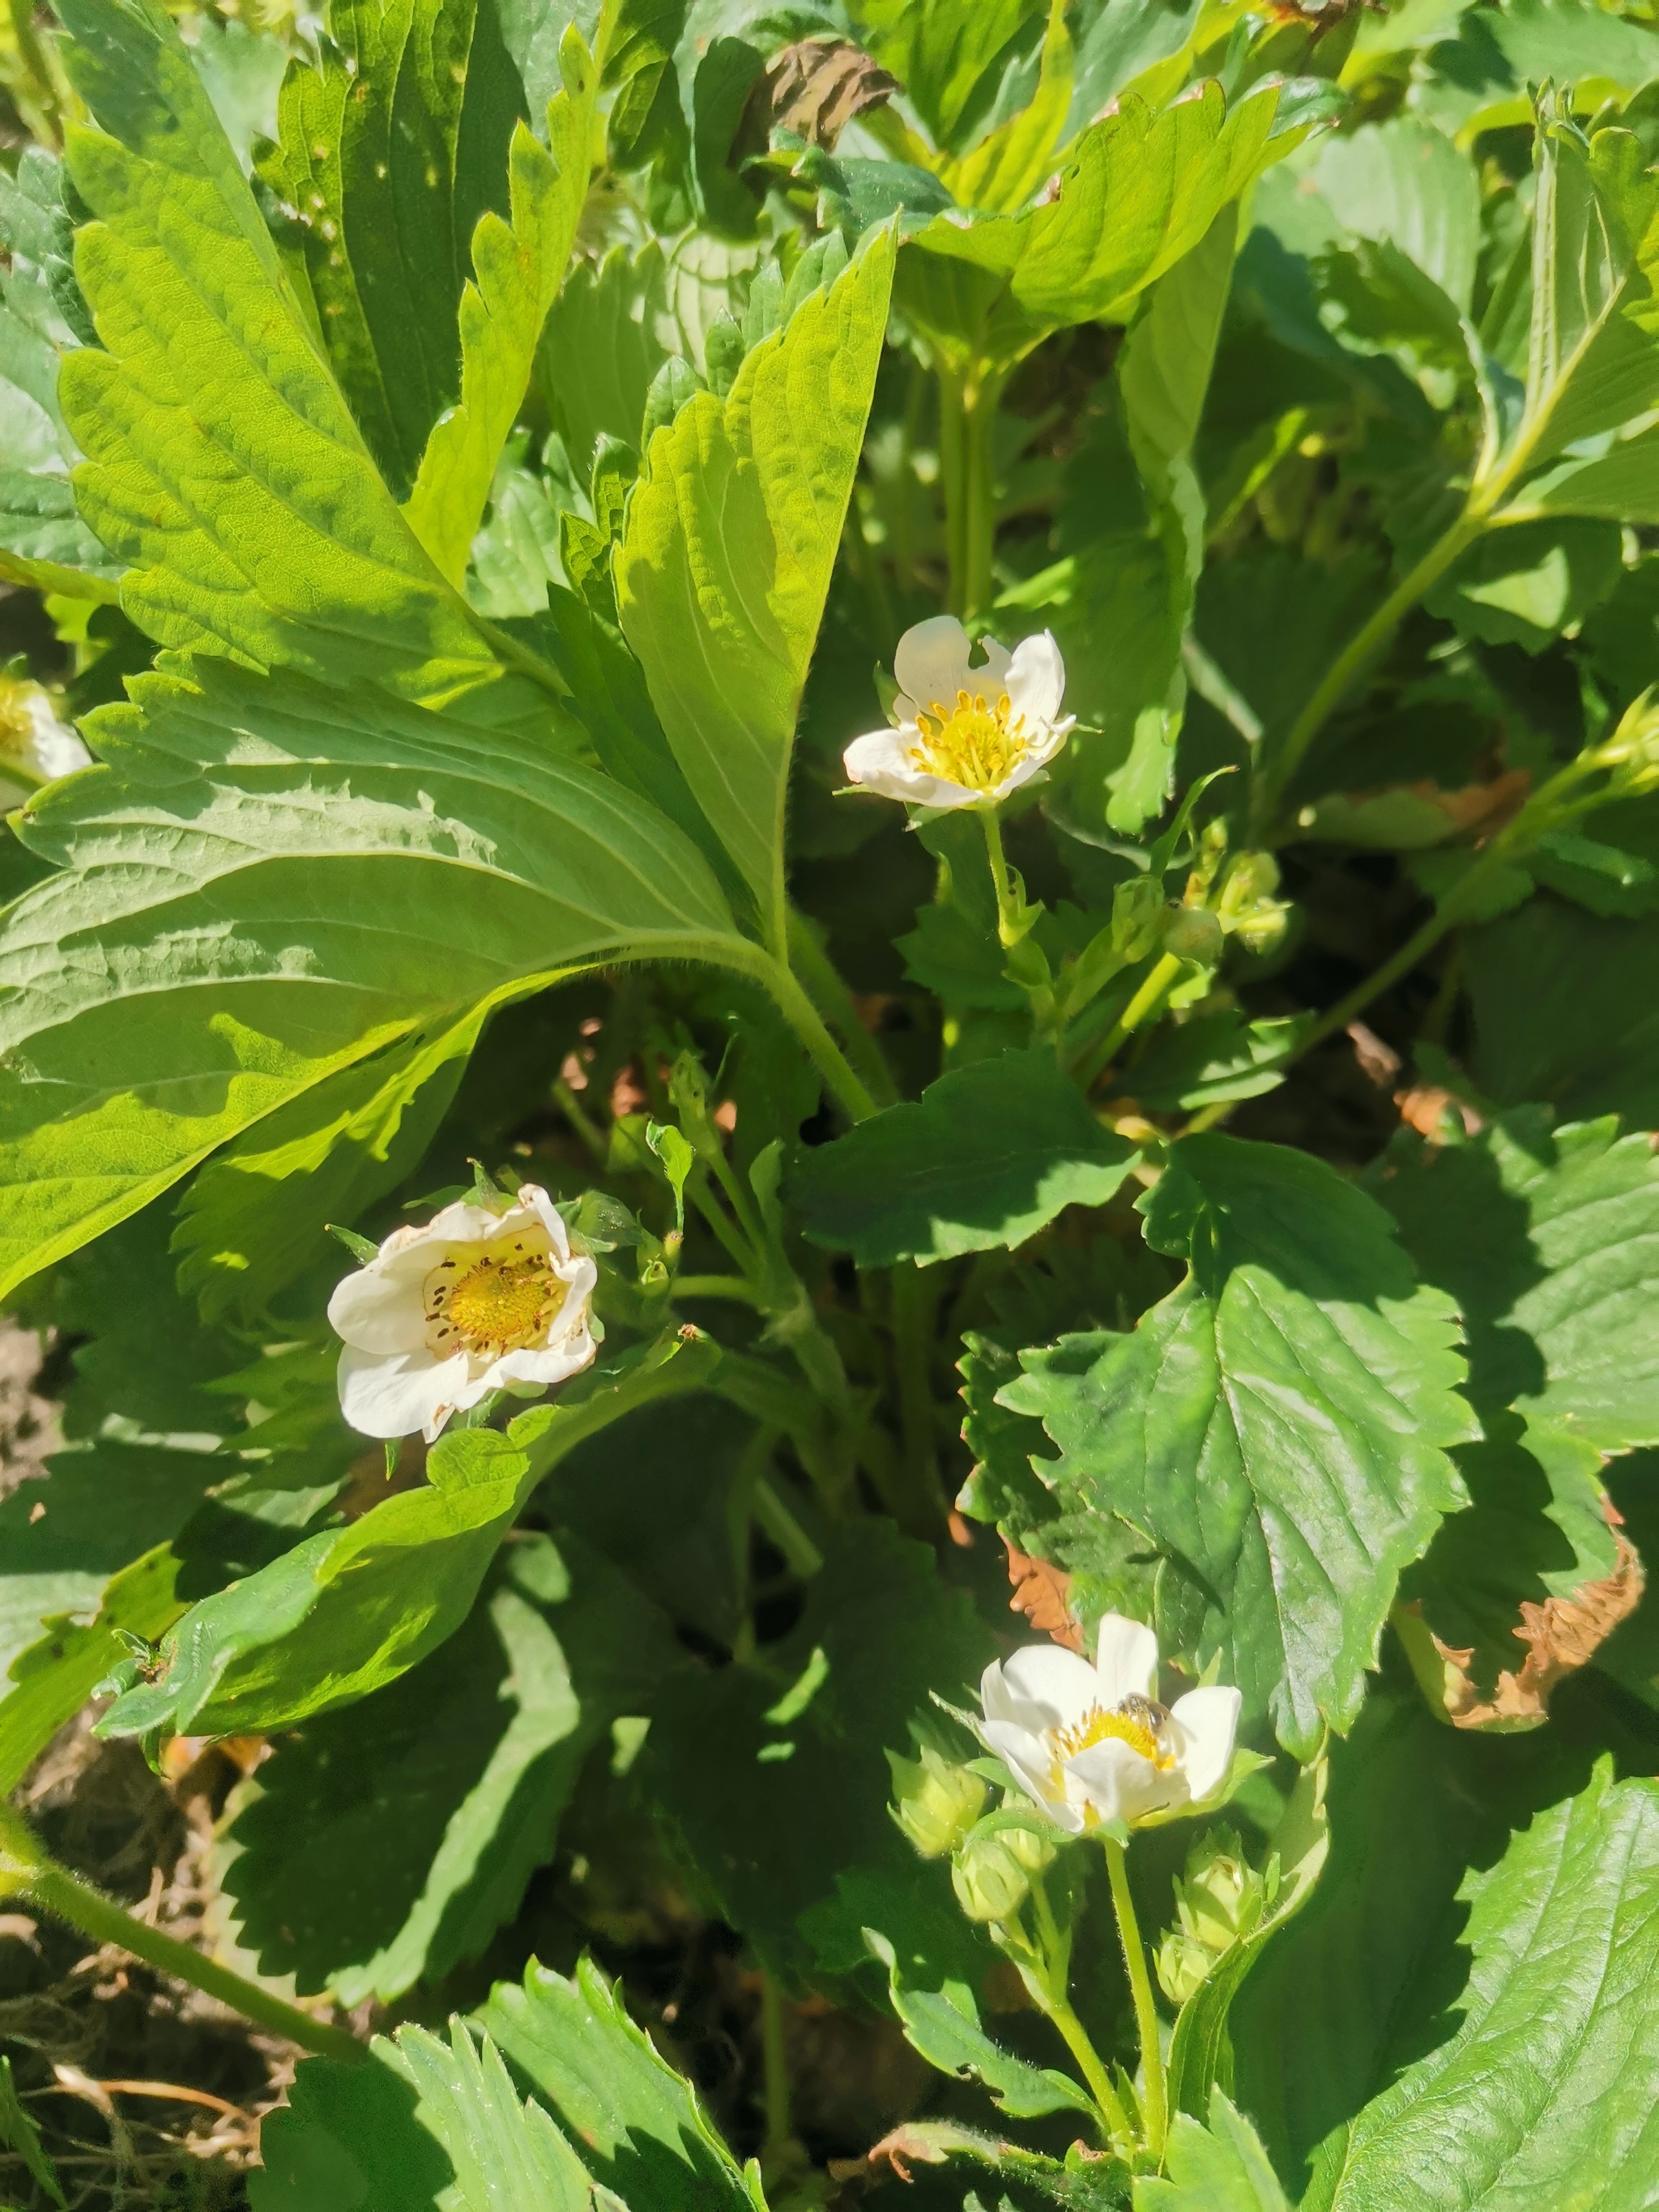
pixel 825 1034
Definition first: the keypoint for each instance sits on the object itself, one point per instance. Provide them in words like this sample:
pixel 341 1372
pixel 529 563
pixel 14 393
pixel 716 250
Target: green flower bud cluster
pixel 1220 1899
pixel 992 1870
pixel 1248 907
pixel 1632 753
pixel 936 1799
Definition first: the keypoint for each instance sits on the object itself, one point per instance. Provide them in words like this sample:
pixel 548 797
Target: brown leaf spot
pixel 816 87
pixel 1561 1636
pixel 1042 1592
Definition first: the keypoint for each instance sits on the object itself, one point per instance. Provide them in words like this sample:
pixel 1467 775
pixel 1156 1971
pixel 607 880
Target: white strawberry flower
pixel 966 736
pixel 1090 1744
pixel 445 1314
pixel 35 747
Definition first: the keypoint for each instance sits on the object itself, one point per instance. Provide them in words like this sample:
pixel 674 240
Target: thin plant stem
pixel 1008 930
pixel 716 1286
pixel 1119 2125
pixel 1450 911
pixel 731 1239
pixel 913 1315
pixel 807 1023
pixel 979 502
pixel 1352 662
pixel 1495 477
pixel 1055 1960
pixel 581 1121
pixel 1140 1989
pixel 774 2060
pixel 1160 982
pixel 823 979
pixel 741 1201
pixel 780 1523
pixel 27 1872
pixel 953 477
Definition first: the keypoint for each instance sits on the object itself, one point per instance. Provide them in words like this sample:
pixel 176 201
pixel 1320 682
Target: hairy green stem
pixel 1160 982
pixel 980 523
pixel 1119 2126
pixel 1008 928
pixel 731 1242
pixel 27 1872
pixel 829 994
pixel 807 1023
pixel 953 477
pixel 1494 479
pixel 580 1120
pixel 1140 1989
pixel 1458 901
pixel 1056 1960
pixel 968 412
pixel 802 1554
pixel 716 1286
pixel 1350 663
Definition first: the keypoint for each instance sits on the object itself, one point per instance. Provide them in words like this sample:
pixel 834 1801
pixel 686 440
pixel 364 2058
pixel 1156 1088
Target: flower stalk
pixel 29 1872
pixel 1154 2091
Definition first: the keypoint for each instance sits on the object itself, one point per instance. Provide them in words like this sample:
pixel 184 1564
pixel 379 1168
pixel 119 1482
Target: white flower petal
pixel 1113 1777
pixel 581 1276
pixel 1208 1721
pixel 1035 681
pixel 1126 1659
pixel 992 678
pixel 375 1311
pixel 394 1394
pixel 460 1222
pixel 1049 1687
pixel 55 748
pixel 931 662
pixel 554 1363
pixel 1045 745
pixel 881 762
pixel 1028 1761
pixel 995 1701
pixel 534 1200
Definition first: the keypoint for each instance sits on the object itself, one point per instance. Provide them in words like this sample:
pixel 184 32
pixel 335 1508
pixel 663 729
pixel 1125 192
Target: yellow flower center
pixel 501 1302
pixel 974 743
pixel 1137 1722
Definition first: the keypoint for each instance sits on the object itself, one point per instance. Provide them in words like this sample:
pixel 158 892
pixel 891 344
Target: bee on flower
pixel 1091 1744
pixel 966 736
pixel 443 1315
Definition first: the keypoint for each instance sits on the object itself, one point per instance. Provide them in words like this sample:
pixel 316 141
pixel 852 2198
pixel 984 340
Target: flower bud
pixel 1248 908
pixel 1218 1902
pixel 1032 1848
pixel 1633 747
pixel 1192 932
pixel 1183 1966
pixel 938 1801
pixel 1138 917
pixel 990 1882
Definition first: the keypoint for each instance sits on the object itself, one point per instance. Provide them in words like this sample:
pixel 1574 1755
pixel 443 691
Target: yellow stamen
pixel 973 744
pixel 504 1301
pixel 1098 1726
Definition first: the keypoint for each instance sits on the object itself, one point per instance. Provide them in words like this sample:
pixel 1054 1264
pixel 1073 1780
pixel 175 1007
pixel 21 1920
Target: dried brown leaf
pixel 816 87
pixel 1561 1636
pixel 1042 1592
